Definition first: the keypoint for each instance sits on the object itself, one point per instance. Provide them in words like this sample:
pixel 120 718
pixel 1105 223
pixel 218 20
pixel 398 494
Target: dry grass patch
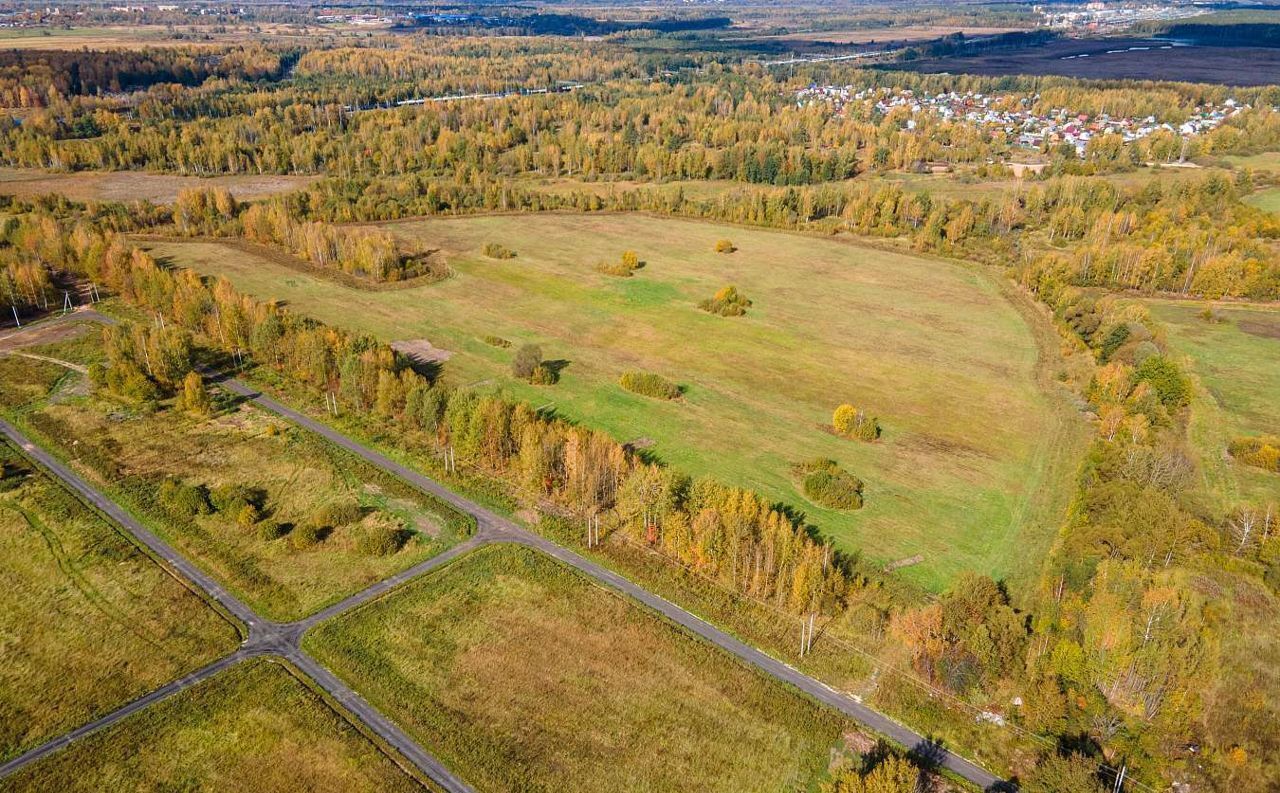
pixel 87 620
pixel 522 675
pixel 252 729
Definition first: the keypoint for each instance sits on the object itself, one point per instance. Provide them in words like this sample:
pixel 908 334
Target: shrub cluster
pixel 649 384
pixel 382 537
pixel 853 422
pixel 528 365
pixel 496 341
pixel 727 302
pixel 496 251
pixel 826 483
pixel 1262 451
pixel 307 536
pixel 183 500
pixel 624 267
pixel 724 246
pixel 335 514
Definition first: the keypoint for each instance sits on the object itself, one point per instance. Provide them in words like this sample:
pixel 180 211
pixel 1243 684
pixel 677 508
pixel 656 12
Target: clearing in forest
pixel 977 450
pixel 1236 358
pixel 137 186
pixel 520 674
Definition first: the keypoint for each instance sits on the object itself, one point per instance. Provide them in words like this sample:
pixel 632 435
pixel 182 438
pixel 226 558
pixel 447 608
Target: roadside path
pixel 497 528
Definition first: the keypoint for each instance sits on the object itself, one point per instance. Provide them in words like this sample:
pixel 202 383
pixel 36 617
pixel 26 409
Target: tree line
pixel 728 533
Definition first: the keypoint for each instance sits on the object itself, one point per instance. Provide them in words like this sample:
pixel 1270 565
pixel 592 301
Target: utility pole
pixel 17 321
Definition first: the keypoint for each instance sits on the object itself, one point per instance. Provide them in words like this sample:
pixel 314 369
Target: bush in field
pixel 724 246
pixel 307 536
pixel 336 513
pixel 528 359
pixel 496 251
pixel 183 500
pixel 727 302
pixel 1164 375
pixel 233 497
pixel 247 516
pixel 544 375
pixel 649 384
pixel 829 485
pixel 496 341
pixel 624 267
pixel 1262 451
pixel 852 422
pixel 271 530
pixel 384 537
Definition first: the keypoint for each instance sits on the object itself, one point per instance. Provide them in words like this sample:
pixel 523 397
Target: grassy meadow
pixel 1237 363
pixel 137 186
pixel 523 675
pixel 1267 200
pixel 254 728
pixel 976 454
pixel 88 621
pixel 131 453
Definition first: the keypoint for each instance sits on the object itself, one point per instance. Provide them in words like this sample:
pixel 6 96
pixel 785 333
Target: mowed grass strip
pixel 1237 363
pixel 522 675
pixel 253 728
pixel 130 453
pixel 88 621
pixel 969 472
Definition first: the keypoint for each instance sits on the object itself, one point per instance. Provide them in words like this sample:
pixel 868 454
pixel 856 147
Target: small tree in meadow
pixel 195 397
pixel 528 359
pixel 853 422
pixel 724 246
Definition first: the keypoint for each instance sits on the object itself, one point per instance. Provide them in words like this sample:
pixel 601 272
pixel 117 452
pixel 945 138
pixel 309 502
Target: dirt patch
pixel 421 351
pixel 1259 327
pixel 36 335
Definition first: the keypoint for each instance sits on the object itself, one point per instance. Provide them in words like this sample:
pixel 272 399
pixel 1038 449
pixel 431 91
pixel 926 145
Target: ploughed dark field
pixel 1119 59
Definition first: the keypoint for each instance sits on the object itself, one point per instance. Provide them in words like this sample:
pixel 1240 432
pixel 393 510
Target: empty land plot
pixel 253 728
pixel 340 524
pixel 1237 362
pixel 137 186
pixel 522 675
pixel 88 622
pixel 975 455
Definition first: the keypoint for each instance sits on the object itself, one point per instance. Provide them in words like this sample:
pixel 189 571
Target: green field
pixel 1268 199
pixel 975 457
pixel 87 621
pixel 130 453
pixel 254 728
pixel 522 675
pixel 1237 362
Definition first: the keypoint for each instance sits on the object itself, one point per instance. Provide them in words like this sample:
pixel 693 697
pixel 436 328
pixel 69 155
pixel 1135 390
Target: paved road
pixel 494 527
pixel 265 638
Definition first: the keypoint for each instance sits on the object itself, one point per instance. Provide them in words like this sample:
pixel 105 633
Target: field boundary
pixel 296 263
